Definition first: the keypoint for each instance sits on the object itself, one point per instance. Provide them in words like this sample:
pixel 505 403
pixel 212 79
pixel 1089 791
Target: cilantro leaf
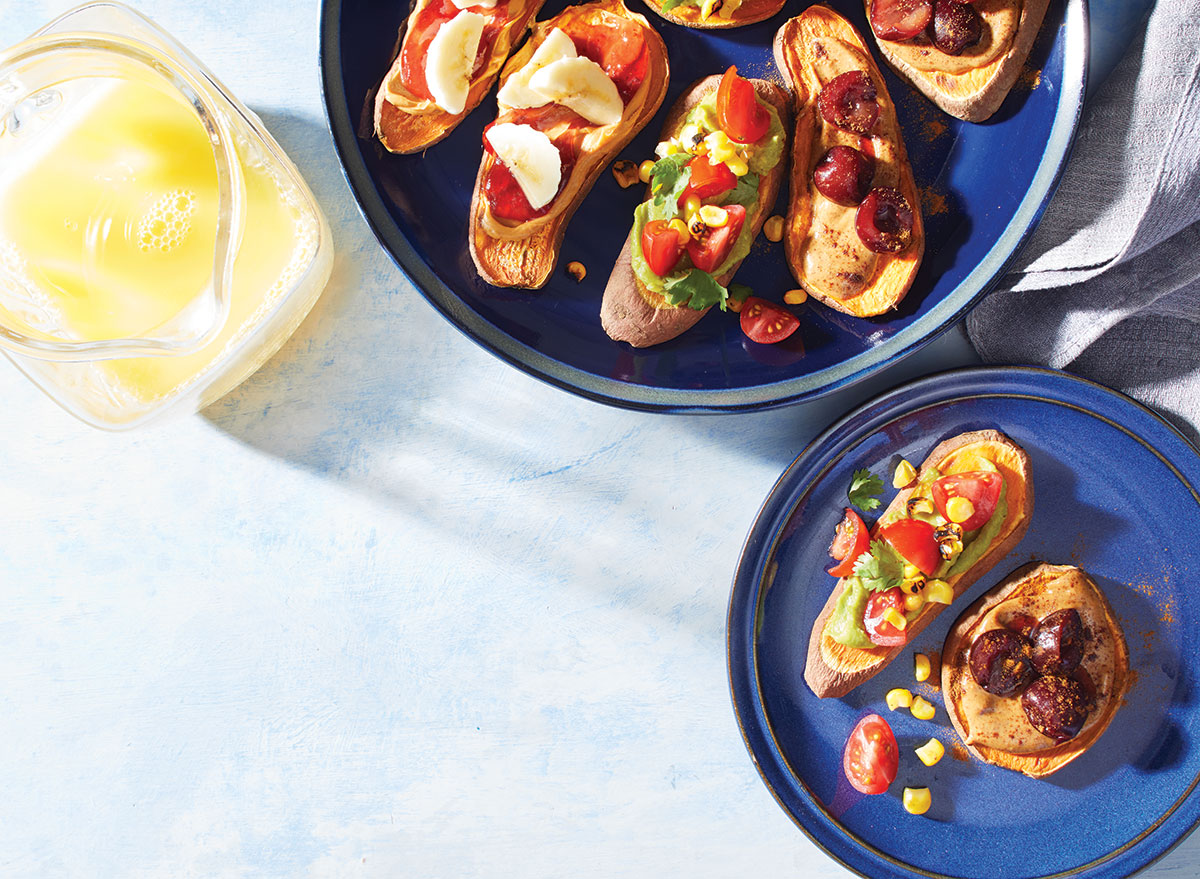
pixel 880 568
pixel 665 174
pixel 863 485
pixel 744 193
pixel 739 292
pixel 696 289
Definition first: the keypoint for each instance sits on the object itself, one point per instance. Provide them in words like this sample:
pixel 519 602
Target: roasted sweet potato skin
pixel 954 668
pixel 795 57
pixel 527 253
pixel 629 312
pixel 833 669
pixel 975 95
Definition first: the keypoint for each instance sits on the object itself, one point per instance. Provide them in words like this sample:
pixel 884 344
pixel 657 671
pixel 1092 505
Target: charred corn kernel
pixel 577 270
pixel 938 591
pixel 893 616
pixel 914 601
pixel 917 505
pixel 922 708
pixel 734 305
pixel 931 752
pixel 773 228
pixel 714 216
pixel 899 698
pixel 959 509
pixel 691 205
pixel 720 147
pixel 904 475
pixel 911 571
pixel 626 173
pixel 669 148
pixel 921 667
pixel 917 800
pixel 644 170
pixel 913 585
pixel 795 297
pixel 697 228
pixel 679 226
pixel 691 136
pixel 738 166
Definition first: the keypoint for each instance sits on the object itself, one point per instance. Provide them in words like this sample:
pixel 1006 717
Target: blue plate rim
pixel 1049 385
pixel 625 395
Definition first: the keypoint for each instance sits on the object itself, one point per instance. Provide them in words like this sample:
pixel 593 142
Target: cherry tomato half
pixel 710 251
pixel 980 487
pixel 879 630
pixel 872 758
pixel 850 540
pixel 662 247
pixel 913 539
pixel 707 180
pixel 740 114
pixel 767 323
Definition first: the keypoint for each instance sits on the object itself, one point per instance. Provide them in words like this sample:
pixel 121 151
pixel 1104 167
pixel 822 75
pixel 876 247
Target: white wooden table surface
pixel 391 608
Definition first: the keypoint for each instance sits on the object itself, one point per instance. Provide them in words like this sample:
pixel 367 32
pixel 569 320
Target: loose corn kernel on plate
pixel 1116 489
pixel 984 187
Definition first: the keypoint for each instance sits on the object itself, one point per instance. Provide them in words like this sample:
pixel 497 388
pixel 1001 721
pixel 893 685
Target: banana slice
pixel 532 158
pixel 451 60
pixel 516 92
pixel 582 85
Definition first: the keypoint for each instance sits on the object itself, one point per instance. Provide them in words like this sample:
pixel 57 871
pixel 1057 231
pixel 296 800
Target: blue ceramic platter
pixel 985 187
pixel 1115 487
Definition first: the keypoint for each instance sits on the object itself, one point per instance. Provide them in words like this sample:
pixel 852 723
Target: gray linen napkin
pixel 1108 286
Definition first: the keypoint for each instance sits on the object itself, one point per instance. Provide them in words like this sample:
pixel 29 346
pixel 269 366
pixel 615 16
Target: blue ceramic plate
pixel 1115 489
pixel 985 188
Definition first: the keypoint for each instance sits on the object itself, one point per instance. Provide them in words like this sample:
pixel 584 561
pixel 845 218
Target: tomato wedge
pixel 767 323
pixel 850 540
pixel 913 539
pixel 872 758
pixel 879 630
pixel 707 180
pixel 709 252
pixel 662 247
pixel 980 487
pixel 739 113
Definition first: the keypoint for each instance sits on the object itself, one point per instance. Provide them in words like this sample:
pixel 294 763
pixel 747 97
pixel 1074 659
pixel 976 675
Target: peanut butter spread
pixel 836 262
pixel 999 721
pixel 999 20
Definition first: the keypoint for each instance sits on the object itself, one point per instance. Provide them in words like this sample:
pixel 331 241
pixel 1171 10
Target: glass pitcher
pixel 156 245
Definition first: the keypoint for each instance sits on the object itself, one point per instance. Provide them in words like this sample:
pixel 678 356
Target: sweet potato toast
pixel 408 123
pixel 832 668
pixel 822 237
pixel 994 728
pixel 974 83
pixel 523 253
pixel 633 313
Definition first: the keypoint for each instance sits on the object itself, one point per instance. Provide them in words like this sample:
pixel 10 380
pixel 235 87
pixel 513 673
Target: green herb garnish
pixel 665 175
pixel 863 486
pixel 696 289
pixel 881 568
